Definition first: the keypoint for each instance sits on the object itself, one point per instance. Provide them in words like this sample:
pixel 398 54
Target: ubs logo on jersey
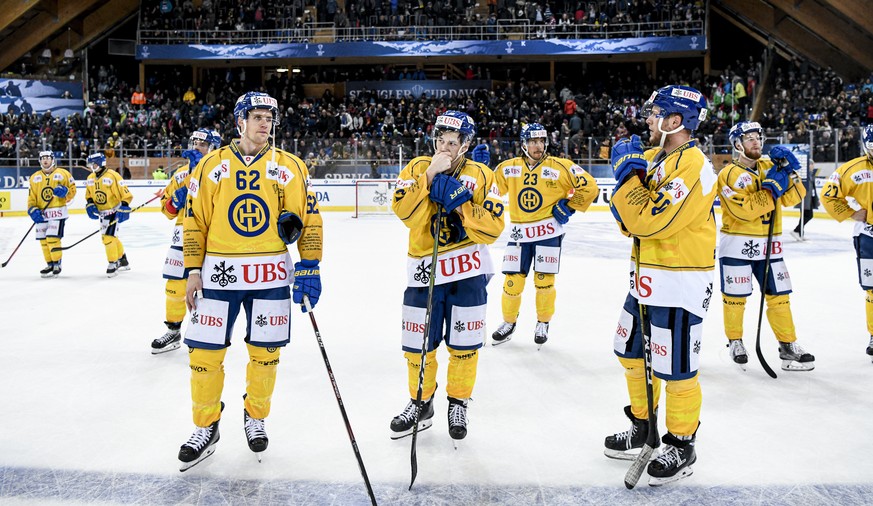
pixel 264 273
pixel 530 200
pixel 100 197
pixel 512 171
pixel 414 327
pixel 47 194
pixel 248 215
pixel 550 173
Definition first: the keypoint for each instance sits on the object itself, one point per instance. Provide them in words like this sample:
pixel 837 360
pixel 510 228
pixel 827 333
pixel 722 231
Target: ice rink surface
pixel 90 416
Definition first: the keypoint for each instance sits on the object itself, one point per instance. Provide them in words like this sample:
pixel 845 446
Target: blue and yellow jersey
pixel 41 194
pixel 179 179
pixel 853 179
pixel 107 191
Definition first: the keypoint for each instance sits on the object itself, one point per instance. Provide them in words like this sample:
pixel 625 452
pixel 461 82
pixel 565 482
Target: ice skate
pixel 56 270
pixel 170 341
pixel 870 348
pixel 200 445
pixel 541 334
pixel 457 419
pixel 112 269
pixel 796 235
pixel 795 358
pixel 256 434
pixel 402 424
pixel 674 462
pixel 47 271
pixel 738 352
pixel 503 333
pixel 123 264
pixel 627 445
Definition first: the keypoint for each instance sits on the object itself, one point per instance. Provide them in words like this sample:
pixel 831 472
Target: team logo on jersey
pixel 863 176
pixel 751 249
pixel 422 273
pixel 512 171
pixel 516 234
pixel 37 178
pixel 550 173
pixel 100 197
pixel 706 308
pixel 744 180
pixel 47 194
pixel 58 177
pixel 107 181
pixel 222 274
pixel 530 200
pixel 248 215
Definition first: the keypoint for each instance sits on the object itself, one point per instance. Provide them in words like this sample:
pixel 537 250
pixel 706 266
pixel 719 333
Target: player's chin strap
pixel 536 162
pixel 665 134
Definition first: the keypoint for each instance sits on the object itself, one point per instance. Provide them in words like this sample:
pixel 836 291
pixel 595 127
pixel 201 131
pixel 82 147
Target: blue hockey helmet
pixel 456 121
pixel 683 100
pixel 534 131
pixel 742 128
pixel 867 139
pixel 98 159
pixel 205 135
pixel 256 100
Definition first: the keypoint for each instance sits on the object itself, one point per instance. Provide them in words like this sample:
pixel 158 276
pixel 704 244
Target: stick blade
pixel 636 469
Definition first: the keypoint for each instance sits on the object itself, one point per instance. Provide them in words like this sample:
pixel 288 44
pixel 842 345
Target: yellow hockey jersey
pixel 41 193
pixel 747 210
pixel 852 179
pixel 231 230
pixel 482 218
pixel 671 215
pixel 107 191
pixel 179 179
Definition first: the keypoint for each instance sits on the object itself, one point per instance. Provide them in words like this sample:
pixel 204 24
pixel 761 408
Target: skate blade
pixel 422 425
pixel 743 367
pixel 188 465
pixel 258 455
pixel 625 455
pixel 455 443
pixel 124 268
pixel 793 365
pixel 684 473
pixel 112 275
pixel 495 342
pixel 170 347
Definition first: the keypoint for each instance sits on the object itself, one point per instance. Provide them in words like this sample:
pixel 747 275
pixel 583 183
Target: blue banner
pixel 417 89
pixel 540 48
pixel 28 96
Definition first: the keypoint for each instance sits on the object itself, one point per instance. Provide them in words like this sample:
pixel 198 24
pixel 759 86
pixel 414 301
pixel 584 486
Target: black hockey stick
pixel 764 364
pixel 339 400
pixel 25 235
pixel 424 340
pixel 640 462
pixel 113 222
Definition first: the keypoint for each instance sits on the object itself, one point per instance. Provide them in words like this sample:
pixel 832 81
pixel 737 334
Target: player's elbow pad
pixel 290 227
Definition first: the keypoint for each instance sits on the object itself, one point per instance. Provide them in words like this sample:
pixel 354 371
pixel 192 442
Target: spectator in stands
pixel 159 174
pixel 189 96
pixel 138 97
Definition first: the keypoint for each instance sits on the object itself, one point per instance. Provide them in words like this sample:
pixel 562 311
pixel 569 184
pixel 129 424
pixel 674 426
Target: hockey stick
pixel 639 463
pixel 339 400
pixel 424 340
pixel 26 233
pixel 113 222
pixel 764 364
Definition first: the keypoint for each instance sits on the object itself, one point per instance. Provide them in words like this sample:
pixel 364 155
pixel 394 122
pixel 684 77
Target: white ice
pixel 90 416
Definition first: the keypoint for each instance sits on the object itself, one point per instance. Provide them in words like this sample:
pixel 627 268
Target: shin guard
pixel 734 307
pixel 260 379
pixel 869 306
pixel 683 406
pixel 111 249
pixel 175 291
pixel 52 243
pixel 635 374
pixel 545 284
pixel 779 316
pixel 413 364
pixel 46 251
pixel 207 382
pixel 462 373
pixel 513 285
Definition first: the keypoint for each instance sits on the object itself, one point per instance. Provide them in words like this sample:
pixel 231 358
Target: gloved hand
pixel 451 229
pixel 627 156
pixel 783 158
pixel 777 181
pixel 179 197
pixel 193 157
pixel 307 281
pixel 448 192
pixel 92 211
pixel 60 191
pixel 562 211
pixel 290 227
pixel 123 213
pixel 481 154
pixel 36 215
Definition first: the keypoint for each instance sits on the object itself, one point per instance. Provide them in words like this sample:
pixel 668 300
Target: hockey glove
pixel 451 229
pixel 784 159
pixel 179 197
pixel 290 227
pixel 123 213
pixel 448 192
pixel 193 157
pixel 562 211
pixel 36 215
pixel 307 281
pixel 627 156
pixel 92 211
pixel 60 191
pixel 776 182
pixel 481 154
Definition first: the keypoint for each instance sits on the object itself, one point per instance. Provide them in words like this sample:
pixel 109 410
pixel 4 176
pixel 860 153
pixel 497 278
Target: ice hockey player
pixel 108 200
pixel 51 189
pixel 201 142
pixel 663 199
pixel 456 199
pixel 753 190
pixel 853 180
pixel 247 201
pixel 544 192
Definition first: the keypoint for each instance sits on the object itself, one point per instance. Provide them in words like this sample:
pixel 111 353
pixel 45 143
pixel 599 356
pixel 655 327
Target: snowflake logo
pixel 697 347
pixel 781 276
pixel 223 275
pixel 728 280
pixel 459 326
pixel 422 273
pixel 867 273
pixel 261 321
pixel 540 258
pixel 669 186
pixel 381 198
pixel 194 317
pixel 751 249
pixel 708 297
pixel 741 185
pixel 868 229
pixel 516 234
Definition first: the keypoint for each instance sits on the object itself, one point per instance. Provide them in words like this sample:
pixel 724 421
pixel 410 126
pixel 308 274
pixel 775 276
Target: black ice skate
pixel 674 462
pixel 626 445
pixel 402 424
pixel 457 419
pixel 503 333
pixel 112 269
pixel 47 271
pixel 169 341
pixel 738 352
pixel 870 347
pixel 256 434
pixel 123 264
pixel 56 269
pixel 795 358
pixel 541 334
pixel 200 445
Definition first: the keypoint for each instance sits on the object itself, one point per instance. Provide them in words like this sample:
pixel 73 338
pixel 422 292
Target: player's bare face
pixel 202 147
pixel 752 145
pixel 449 143
pixel 536 148
pixel 46 162
pixel 258 126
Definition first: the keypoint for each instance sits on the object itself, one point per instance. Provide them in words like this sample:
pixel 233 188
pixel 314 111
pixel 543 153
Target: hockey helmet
pixel 682 100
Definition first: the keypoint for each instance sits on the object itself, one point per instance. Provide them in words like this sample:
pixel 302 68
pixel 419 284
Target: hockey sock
pixel 46 251
pixel 207 382
pixel 119 248
pixel 635 374
pixel 869 307
pixel 513 285
pixel 546 294
pixel 413 363
pixel 260 379
pixel 51 243
pixel 462 373
pixel 734 307
pixel 175 291
pixel 109 245
pixel 779 316
pixel 683 406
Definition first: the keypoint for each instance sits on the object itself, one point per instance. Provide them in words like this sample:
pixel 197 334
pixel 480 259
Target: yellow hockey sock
pixel 779 316
pixel 546 294
pixel 635 374
pixel 683 406
pixel 413 363
pixel 513 285
pixel 869 306
pixel 462 373
pixel 734 307
pixel 119 248
pixel 43 244
pixel 175 291
pixel 111 250
pixel 207 382
pixel 260 379
pixel 52 243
